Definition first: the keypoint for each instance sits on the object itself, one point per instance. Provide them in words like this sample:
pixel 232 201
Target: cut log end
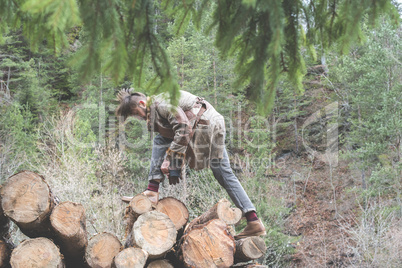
pixel 227 213
pixel 68 218
pixel 130 258
pixel 27 200
pixel 250 248
pixel 160 264
pixel 140 204
pixel 38 252
pixel 175 210
pixel 101 250
pixel 221 210
pixel 208 245
pixel 155 233
pixel 68 221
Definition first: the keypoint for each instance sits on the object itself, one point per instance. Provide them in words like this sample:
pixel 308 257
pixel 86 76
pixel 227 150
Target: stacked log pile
pixel 156 236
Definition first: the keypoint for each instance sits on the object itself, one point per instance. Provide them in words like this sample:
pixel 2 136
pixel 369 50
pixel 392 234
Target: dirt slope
pixel 323 208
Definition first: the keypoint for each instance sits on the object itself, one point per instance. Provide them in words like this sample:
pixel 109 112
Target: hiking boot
pixel 253 228
pixel 152 196
pixel 126 199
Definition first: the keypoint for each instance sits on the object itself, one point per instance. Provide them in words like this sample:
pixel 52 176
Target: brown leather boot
pixel 126 199
pixel 253 228
pixel 153 196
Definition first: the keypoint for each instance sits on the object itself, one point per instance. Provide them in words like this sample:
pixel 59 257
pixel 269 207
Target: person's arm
pixel 176 153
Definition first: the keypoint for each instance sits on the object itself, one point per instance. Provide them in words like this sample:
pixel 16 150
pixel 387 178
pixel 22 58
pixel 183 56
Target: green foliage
pixel 120 38
pixel 373 90
pixel 372 96
pixel 18 137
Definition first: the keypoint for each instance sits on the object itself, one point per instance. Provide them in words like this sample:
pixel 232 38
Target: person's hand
pixel 165 167
pixel 174 177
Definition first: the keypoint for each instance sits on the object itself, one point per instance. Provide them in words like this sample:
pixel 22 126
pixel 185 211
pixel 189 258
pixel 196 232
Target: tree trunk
pixel 68 221
pixel 130 258
pixel 160 264
pixel 155 233
pixel 250 248
pixel 175 210
pixel 37 252
pixel 220 210
pixel 208 245
pixel 5 251
pixel 137 206
pixel 28 201
pixel 101 250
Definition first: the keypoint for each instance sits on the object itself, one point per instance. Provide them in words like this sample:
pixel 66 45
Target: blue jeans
pixel 221 169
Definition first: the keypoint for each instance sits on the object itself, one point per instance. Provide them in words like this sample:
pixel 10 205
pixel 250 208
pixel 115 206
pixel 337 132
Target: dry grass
pixel 93 177
pixel 376 239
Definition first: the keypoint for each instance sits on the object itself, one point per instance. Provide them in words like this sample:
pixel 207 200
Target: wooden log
pixel 250 248
pixel 27 200
pixel 249 265
pixel 101 250
pixel 69 224
pixel 160 264
pixel 221 210
pixel 4 223
pixel 138 205
pixel 130 258
pixel 130 241
pixel 5 252
pixel 37 252
pixel 155 233
pixel 208 245
pixel 175 210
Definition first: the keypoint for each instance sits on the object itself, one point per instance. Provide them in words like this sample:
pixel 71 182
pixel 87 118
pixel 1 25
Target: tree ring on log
pixel 37 252
pixel 101 250
pixel 25 197
pixel 155 233
pixel 175 210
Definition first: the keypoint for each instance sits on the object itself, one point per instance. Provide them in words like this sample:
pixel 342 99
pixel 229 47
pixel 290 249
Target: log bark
pixel 155 233
pixel 160 264
pixel 250 248
pixel 175 210
pixel 208 245
pixel 101 250
pixel 249 265
pixel 130 258
pixel 69 224
pixel 139 205
pixel 4 223
pixel 221 210
pixel 5 252
pixel 37 252
pixel 27 200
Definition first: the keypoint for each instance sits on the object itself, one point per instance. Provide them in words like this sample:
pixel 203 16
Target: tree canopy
pixel 267 37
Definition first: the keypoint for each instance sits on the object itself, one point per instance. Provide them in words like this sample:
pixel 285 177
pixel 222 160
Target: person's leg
pixel 225 176
pixel 160 145
pixel 155 175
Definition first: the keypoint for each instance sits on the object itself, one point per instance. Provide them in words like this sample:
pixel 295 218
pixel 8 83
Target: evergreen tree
pixel 120 36
pixel 371 93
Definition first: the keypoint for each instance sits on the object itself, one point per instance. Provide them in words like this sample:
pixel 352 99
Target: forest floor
pixel 323 210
